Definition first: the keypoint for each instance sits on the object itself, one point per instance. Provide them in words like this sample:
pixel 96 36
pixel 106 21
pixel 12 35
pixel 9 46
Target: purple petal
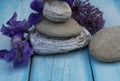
pixel 16 42
pixel 13 18
pixel 25 62
pixel 37 5
pixel 21 27
pixel 6 30
pixel 15 27
pixel 27 51
pixel 23 52
pixel 11 55
pixel 21 63
pixel 34 18
pixel 3 53
pixel 70 2
pixel 16 64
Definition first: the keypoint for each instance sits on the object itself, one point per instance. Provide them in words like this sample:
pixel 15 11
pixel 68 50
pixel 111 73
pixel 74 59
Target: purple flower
pixel 37 5
pixel 34 18
pixel 88 16
pixel 3 53
pixel 19 54
pixel 15 27
pixel 20 49
pixel 70 2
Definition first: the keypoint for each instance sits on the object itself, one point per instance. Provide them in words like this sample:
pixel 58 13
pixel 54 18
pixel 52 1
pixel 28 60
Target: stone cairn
pixel 58 32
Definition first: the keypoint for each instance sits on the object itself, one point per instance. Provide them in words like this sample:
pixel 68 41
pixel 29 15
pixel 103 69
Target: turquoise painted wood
pixel 73 66
pixel 107 71
pixel 7 8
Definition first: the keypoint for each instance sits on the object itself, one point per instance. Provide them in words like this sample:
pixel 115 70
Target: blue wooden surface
pixel 78 65
pixel 107 71
pixel 7 8
pixel 73 66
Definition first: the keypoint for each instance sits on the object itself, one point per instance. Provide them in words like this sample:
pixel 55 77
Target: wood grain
pixel 72 66
pixel 107 71
pixel 7 8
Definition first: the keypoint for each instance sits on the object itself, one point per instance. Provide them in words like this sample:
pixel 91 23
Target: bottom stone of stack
pixel 43 44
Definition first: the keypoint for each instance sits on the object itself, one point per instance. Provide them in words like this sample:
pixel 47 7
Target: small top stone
pixel 105 45
pixel 54 29
pixel 57 11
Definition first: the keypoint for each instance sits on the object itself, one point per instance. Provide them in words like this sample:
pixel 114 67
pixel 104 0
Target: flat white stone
pixel 58 11
pixel 43 44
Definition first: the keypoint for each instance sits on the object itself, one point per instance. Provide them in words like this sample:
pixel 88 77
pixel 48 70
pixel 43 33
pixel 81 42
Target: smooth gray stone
pixel 57 11
pixel 43 44
pixel 53 29
pixel 105 45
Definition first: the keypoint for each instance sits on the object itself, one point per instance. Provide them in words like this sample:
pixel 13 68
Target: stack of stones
pixel 58 32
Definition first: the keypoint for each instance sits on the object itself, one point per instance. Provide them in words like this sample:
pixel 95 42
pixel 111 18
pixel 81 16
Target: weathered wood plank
pixel 73 66
pixel 7 8
pixel 107 71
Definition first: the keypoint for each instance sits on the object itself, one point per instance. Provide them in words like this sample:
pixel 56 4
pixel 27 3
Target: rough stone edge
pixel 49 45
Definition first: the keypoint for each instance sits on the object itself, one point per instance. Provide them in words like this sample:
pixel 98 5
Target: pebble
pixel 54 29
pixel 105 45
pixel 57 11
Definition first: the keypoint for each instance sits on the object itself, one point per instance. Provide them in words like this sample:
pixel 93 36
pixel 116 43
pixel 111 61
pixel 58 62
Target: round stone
pixel 105 45
pixel 43 44
pixel 57 11
pixel 54 29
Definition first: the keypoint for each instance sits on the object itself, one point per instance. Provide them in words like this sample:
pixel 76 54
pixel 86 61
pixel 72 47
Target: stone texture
pixel 67 29
pixel 105 45
pixel 43 44
pixel 58 11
